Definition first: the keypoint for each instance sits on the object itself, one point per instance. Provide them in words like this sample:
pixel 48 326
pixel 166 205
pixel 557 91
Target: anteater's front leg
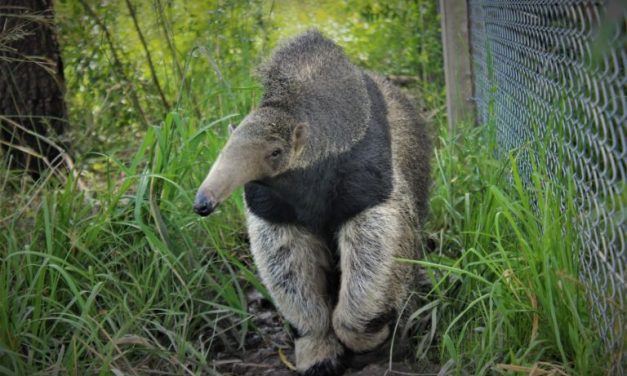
pixel 374 284
pixel 293 265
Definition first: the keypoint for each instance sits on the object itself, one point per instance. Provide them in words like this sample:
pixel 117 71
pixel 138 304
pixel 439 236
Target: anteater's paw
pixel 327 367
pixel 319 356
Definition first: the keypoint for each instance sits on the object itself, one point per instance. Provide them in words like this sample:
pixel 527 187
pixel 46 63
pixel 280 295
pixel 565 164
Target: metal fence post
pixel 457 68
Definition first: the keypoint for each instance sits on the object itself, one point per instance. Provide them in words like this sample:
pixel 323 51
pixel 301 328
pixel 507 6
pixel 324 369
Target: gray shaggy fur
pixel 335 163
pixel 300 78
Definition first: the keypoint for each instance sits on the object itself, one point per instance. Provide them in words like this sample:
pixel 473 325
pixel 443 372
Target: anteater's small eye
pixel 276 153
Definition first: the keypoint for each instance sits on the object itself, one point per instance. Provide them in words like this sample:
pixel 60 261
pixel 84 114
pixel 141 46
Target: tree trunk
pixel 32 109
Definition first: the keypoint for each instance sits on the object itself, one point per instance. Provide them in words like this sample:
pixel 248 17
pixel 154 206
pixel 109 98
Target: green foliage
pixel 97 284
pixel 202 53
pixel 505 275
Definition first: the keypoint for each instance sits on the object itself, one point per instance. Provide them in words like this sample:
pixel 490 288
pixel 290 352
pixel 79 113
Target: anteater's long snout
pixel 203 204
pixel 237 164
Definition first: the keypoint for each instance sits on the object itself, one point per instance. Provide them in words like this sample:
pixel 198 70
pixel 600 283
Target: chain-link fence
pixel 556 69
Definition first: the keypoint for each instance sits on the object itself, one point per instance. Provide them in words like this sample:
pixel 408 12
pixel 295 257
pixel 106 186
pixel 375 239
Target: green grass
pixel 506 290
pixel 129 279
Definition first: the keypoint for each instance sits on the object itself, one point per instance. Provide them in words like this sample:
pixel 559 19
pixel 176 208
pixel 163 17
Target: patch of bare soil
pixel 270 351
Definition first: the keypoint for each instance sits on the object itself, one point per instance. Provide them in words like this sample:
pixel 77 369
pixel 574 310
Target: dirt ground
pixel 270 350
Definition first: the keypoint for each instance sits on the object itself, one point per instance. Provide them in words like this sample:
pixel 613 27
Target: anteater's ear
pixel 299 136
pixel 231 128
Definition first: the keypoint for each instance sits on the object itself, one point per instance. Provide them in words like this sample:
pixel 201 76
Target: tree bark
pixel 33 113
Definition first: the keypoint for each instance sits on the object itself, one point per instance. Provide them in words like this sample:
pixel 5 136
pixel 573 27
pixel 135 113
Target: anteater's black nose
pixel 202 205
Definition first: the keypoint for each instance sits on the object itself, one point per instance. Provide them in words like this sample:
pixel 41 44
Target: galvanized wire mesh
pixel 555 70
